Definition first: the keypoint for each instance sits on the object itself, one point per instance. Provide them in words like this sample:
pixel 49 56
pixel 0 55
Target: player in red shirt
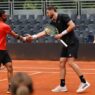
pixel 4 56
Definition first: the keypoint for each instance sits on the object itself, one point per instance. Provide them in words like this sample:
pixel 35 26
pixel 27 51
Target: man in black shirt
pixel 68 55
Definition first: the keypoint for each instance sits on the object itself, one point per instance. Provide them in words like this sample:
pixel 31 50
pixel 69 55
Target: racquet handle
pixel 63 43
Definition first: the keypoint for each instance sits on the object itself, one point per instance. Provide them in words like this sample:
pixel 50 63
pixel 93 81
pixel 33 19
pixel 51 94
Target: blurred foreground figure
pixel 21 84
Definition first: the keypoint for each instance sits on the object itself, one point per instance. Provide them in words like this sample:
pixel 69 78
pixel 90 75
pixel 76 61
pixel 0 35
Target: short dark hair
pixel 52 8
pixel 1 12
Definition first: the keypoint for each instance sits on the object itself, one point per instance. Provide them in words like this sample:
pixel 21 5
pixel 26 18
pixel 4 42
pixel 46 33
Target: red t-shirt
pixel 4 30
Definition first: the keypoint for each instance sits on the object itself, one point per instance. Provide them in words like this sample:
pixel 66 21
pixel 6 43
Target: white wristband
pixel 34 36
pixel 64 32
pixel 24 38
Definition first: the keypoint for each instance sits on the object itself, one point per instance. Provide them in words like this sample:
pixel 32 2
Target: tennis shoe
pixel 83 87
pixel 59 89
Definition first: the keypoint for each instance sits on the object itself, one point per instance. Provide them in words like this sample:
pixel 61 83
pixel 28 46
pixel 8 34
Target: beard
pixel 51 17
pixel 4 19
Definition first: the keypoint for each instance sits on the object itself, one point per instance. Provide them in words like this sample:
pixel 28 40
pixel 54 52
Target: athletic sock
pixel 9 89
pixel 82 79
pixel 9 86
pixel 62 82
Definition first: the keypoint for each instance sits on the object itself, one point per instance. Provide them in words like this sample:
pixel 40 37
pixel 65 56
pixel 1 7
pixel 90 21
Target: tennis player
pixel 68 54
pixel 21 84
pixel 4 56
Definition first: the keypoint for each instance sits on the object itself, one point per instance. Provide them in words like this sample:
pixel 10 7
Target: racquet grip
pixel 63 43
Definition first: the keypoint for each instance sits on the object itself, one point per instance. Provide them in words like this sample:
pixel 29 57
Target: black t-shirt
pixel 61 25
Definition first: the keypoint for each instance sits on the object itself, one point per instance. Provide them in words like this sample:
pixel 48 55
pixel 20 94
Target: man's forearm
pixel 71 27
pixel 15 35
pixel 41 34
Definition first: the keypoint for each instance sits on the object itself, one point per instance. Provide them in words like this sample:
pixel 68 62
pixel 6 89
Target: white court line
pixel 57 62
pixel 49 68
pixel 31 71
pixel 3 80
pixel 35 73
pixel 46 68
pixel 89 73
pixel 67 72
pixel 22 71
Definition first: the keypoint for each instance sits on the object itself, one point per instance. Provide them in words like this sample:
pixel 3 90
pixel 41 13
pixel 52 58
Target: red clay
pixel 45 76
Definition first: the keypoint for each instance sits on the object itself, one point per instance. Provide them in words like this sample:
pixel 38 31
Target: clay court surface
pixel 45 76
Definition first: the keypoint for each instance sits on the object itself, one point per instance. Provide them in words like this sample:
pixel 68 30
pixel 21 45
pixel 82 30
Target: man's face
pixel 4 17
pixel 50 13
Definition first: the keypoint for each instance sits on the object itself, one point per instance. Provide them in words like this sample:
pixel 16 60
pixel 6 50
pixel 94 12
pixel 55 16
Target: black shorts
pixel 4 57
pixel 70 51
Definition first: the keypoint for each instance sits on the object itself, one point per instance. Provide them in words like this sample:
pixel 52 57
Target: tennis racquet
pixel 52 31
